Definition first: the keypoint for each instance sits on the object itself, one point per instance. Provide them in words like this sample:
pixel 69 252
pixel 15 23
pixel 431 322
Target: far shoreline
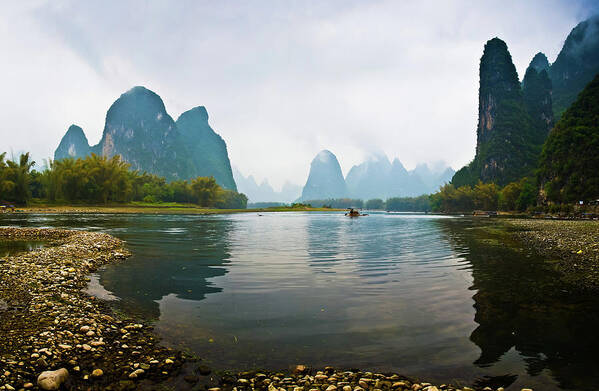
pixel 156 209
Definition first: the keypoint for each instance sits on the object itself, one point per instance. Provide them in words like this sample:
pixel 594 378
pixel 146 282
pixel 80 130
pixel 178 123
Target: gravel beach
pixel 573 245
pixel 49 324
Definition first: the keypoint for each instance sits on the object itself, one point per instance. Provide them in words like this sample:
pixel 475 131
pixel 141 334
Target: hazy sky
pixel 281 79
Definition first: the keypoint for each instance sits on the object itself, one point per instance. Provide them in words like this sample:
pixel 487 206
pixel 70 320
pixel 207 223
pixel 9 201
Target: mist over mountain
pixel 376 177
pixel 379 178
pixel 139 129
pixel 325 179
pixel 264 192
pixel 576 65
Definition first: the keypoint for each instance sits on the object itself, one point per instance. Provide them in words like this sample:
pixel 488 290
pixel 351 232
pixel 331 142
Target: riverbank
pixel 48 323
pixel 571 245
pixel 157 209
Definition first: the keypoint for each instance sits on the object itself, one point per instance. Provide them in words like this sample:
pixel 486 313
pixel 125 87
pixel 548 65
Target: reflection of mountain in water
pixel 169 260
pixel 521 302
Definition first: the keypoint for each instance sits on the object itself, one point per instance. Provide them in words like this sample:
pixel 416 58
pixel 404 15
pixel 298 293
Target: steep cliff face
pixel 576 65
pixel 505 147
pixel 536 91
pixel 74 144
pixel 208 150
pixel 498 85
pixel 139 129
pixel 325 179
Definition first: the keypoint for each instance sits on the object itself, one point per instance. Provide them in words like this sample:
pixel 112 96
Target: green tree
pixel 485 196
pixel 205 190
pixel 375 204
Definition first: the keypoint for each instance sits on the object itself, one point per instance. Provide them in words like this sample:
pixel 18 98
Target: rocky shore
pixel 49 325
pixel 54 336
pixel 572 245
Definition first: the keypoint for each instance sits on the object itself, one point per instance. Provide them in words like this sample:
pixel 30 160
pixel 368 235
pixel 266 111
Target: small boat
pixel 354 213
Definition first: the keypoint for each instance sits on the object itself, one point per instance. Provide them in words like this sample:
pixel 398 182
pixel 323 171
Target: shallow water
pixel 12 247
pixel 444 299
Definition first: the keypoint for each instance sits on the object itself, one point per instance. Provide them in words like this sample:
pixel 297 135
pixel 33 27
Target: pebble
pixel 51 380
pixel 136 373
pixel 97 373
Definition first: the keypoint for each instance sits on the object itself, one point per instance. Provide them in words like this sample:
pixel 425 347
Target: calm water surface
pixel 445 299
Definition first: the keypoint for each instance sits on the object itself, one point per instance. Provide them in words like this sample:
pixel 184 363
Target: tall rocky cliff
pixel 209 151
pixel 74 144
pixel 536 91
pixel 325 179
pixel 576 65
pixel 514 122
pixel 139 129
pixel 505 147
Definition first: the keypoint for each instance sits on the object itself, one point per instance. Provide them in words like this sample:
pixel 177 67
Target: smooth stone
pixel 347 388
pixel 331 388
pixel 136 373
pixel 97 372
pixel 51 380
pixel 28 385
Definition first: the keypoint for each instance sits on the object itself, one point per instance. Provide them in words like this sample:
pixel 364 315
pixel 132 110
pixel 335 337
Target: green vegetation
pixel 515 196
pixel 375 204
pixel 569 164
pixel 409 204
pixel 15 178
pixel 99 180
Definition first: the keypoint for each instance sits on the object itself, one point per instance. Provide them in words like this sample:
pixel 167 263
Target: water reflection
pixel 12 247
pixel 443 299
pixel 182 265
pixel 521 303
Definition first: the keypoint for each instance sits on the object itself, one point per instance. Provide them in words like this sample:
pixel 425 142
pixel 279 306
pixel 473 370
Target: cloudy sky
pixel 281 79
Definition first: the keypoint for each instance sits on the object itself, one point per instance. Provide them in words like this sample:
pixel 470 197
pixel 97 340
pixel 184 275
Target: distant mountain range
pixel 139 129
pixel 264 192
pixel 377 177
